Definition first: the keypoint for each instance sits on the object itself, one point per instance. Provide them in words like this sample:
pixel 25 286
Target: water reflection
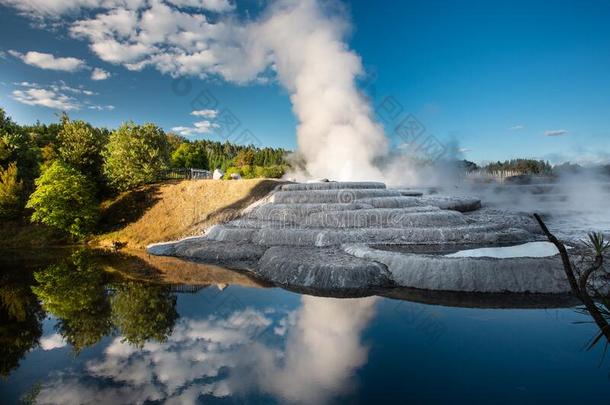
pixel 237 355
pixel 88 305
pixel 74 290
pixel 323 350
pixel 20 319
pixel 113 340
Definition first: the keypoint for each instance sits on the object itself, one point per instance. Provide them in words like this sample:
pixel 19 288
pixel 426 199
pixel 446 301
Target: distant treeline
pixel 531 167
pixel 57 174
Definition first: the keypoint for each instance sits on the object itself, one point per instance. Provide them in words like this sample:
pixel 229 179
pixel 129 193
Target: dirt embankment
pixel 170 211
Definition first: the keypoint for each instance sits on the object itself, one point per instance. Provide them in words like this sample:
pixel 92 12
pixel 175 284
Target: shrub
pixel 135 155
pixel 231 170
pixel 273 172
pixel 64 199
pixel 11 192
pixel 248 172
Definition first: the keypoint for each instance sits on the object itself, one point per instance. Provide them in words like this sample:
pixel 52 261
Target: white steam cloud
pixel 337 135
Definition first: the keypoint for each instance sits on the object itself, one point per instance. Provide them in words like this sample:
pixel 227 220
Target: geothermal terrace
pixel 355 237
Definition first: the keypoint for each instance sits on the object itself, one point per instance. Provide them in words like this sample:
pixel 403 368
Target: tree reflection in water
pixel 143 312
pixel 20 319
pixel 74 290
pixel 89 304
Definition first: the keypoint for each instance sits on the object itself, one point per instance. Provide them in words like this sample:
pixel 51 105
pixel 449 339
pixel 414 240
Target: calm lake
pixel 74 332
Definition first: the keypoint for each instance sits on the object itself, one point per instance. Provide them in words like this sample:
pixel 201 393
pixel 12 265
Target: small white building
pixel 218 174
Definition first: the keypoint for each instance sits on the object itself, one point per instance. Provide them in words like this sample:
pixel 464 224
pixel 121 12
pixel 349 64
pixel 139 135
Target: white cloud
pixel 56 8
pixel 99 74
pixel 50 62
pixel 218 6
pixel 58 95
pixel 211 114
pixel 556 132
pixel 62 86
pixel 46 98
pixel 517 127
pixel 200 127
pixel 48 8
pixel 54 341
pixel 173 40
pixel 101 107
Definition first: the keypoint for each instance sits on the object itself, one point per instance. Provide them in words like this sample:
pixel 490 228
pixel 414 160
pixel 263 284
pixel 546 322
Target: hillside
pixel 168 211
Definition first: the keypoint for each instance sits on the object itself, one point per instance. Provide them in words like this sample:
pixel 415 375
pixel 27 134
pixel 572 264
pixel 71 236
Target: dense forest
pixel 57 174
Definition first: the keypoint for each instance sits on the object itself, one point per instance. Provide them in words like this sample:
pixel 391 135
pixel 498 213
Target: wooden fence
pixel 188 174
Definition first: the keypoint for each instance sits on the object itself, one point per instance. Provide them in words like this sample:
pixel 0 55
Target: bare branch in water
pixel 579 288
pixel 563 252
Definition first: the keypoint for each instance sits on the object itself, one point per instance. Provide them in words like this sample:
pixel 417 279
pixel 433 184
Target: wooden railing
pixel 188 174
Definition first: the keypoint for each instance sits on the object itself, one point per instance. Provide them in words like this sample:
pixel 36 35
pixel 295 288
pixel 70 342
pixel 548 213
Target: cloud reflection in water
pixel 304 356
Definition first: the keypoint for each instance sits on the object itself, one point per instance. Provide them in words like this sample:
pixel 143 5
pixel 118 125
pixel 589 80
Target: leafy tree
pixel 11 192
pixel 244 158
pixel 64 199
pixel 175 141
pixel 190 155
pixel 142 312
pixel 74 290
pixel 135 155
pixel 80 145
pixel 16 146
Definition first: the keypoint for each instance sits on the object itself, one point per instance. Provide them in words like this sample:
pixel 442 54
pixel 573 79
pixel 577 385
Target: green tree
pixel 16 145
pixel 135 155
pixel 80 145
pixel 74 290
pixel 244 158
pixel 190 155
pixel 143 312
pixel 64 199
pixel 11 192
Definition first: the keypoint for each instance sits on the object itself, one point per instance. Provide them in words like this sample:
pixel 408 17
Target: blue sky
pixel 502 79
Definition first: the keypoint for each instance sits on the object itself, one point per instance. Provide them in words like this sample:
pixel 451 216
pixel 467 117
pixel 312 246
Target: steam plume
pixel 337 135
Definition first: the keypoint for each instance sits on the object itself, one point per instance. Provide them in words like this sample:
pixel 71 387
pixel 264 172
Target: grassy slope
pixel 168 211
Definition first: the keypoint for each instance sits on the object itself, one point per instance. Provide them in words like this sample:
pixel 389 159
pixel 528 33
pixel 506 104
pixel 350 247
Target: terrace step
pixel 338 196
pixel 386 217
pixel 333 185
pixel 392 202
pixel 296 212
pixel 321 270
